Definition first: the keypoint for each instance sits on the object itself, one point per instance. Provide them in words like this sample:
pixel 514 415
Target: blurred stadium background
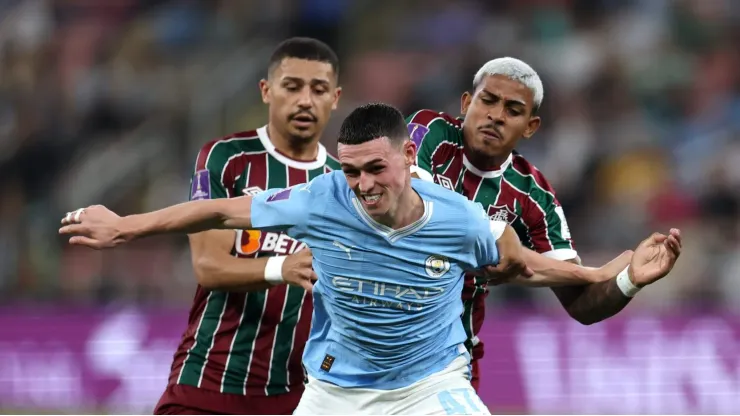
pixel 109 101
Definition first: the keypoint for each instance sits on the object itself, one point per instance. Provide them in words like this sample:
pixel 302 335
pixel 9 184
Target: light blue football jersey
pixel 387 303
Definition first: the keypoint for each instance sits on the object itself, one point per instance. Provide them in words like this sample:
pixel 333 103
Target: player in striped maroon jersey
pixel 242 350
pixel 475 156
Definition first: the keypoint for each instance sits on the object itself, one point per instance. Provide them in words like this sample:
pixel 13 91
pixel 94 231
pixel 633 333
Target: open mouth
pixel 370 200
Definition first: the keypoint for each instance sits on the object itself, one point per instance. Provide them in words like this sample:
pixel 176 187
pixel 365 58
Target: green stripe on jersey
pixel 314 173
pixel 544 200
pixel 240 358
pixel 225 150
pixel 467 320
pixel 285 331
pixel 195 362
pixel 284 339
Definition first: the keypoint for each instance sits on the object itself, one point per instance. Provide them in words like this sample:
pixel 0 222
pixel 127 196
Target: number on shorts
pixel 449 402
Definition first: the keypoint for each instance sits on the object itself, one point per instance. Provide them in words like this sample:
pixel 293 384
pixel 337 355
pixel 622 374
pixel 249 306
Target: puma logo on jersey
pixel 345 248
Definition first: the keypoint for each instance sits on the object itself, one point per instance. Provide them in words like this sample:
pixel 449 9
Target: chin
pixel 492 149
pixel 303 134
pixel 377 212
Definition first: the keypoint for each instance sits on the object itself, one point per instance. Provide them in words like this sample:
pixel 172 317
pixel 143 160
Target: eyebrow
pixel 297 80
pixel 509 101
pixel 372 162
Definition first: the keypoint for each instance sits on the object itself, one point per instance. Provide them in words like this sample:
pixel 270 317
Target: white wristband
pixel 274 270
pixel 497 228
pixel 625 284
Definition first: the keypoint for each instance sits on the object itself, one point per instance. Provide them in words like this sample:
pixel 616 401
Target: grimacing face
pixel 378 173
pixel 497 114
pixel 301 94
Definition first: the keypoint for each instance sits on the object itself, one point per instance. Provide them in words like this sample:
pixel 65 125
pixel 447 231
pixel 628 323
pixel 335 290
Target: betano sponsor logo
pixel 249 242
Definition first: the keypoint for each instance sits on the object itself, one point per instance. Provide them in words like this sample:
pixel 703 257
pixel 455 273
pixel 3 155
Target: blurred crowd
pixel 109 101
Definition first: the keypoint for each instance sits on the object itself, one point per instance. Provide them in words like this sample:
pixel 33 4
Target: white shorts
pixel 447 392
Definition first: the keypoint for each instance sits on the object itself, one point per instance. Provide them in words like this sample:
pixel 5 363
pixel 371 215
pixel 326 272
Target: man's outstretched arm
pixel 541 271
pixel 98 227
pixel 653 259
pixel 549 272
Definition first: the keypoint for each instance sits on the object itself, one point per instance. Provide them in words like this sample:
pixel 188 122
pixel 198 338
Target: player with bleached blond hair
pixel 474 155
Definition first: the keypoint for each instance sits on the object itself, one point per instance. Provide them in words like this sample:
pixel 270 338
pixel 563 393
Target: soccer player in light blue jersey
pixel 389 252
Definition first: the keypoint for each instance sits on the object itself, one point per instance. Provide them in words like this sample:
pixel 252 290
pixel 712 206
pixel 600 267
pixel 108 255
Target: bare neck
pixel 410 209
pixel 486 163
pixel 302 149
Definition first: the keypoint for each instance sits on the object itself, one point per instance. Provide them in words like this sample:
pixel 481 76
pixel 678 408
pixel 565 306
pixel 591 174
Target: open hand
pixel 655 257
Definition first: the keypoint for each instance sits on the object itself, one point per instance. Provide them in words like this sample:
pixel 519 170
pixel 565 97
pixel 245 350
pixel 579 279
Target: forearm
pixel 189 217
pixel 232 274
pixel 550 272
pixel 594 302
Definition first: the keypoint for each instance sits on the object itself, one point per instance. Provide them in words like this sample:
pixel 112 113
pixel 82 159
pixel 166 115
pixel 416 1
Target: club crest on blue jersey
pixel 201 185
pixel 437 266
pixel 417 133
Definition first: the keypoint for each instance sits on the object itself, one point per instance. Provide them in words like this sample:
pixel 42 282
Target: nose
pixel 496 114
pixel 304 98
pixel 367 182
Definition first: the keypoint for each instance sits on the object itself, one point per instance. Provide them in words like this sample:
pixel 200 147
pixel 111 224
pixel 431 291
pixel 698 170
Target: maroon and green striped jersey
pixel 248 343
pixel 517 193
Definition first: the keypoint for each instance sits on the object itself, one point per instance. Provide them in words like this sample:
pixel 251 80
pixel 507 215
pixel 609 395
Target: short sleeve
pixel 208 177
pixel 282 209
pixel 484 243
pixel 429 130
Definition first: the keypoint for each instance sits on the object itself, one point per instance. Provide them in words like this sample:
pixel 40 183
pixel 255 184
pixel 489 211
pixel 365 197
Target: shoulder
pixel 323 185
pixel 453 212
pixel 217 151
pixel 302 194
pixel 440 127
pixel 427 117
pixel 529 173
pixel 448 200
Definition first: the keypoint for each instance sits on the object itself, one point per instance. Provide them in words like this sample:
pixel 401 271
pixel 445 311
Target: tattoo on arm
pixel 592 303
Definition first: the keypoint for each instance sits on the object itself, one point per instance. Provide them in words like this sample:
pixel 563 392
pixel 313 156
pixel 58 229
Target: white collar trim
pixel 267 143
pixel 487 173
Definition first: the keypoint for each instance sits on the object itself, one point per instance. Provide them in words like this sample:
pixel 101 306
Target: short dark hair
pixel 372 121
pixel 309 49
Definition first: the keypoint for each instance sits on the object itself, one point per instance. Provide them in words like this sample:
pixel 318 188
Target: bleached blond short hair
pixel 515 70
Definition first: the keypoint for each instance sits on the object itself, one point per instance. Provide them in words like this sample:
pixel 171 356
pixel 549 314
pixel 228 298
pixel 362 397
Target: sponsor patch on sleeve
pixel 201 186
pixel 417 133
pixel 280 196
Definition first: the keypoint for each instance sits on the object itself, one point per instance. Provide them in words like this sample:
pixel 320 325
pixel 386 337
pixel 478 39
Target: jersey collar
pixel 297 164
pixel 389 233
pixel 487 173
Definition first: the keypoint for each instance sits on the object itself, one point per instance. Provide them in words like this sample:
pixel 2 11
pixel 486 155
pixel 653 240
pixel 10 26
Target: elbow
pixel 584 318
pixel 586 322
pixel 206 273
